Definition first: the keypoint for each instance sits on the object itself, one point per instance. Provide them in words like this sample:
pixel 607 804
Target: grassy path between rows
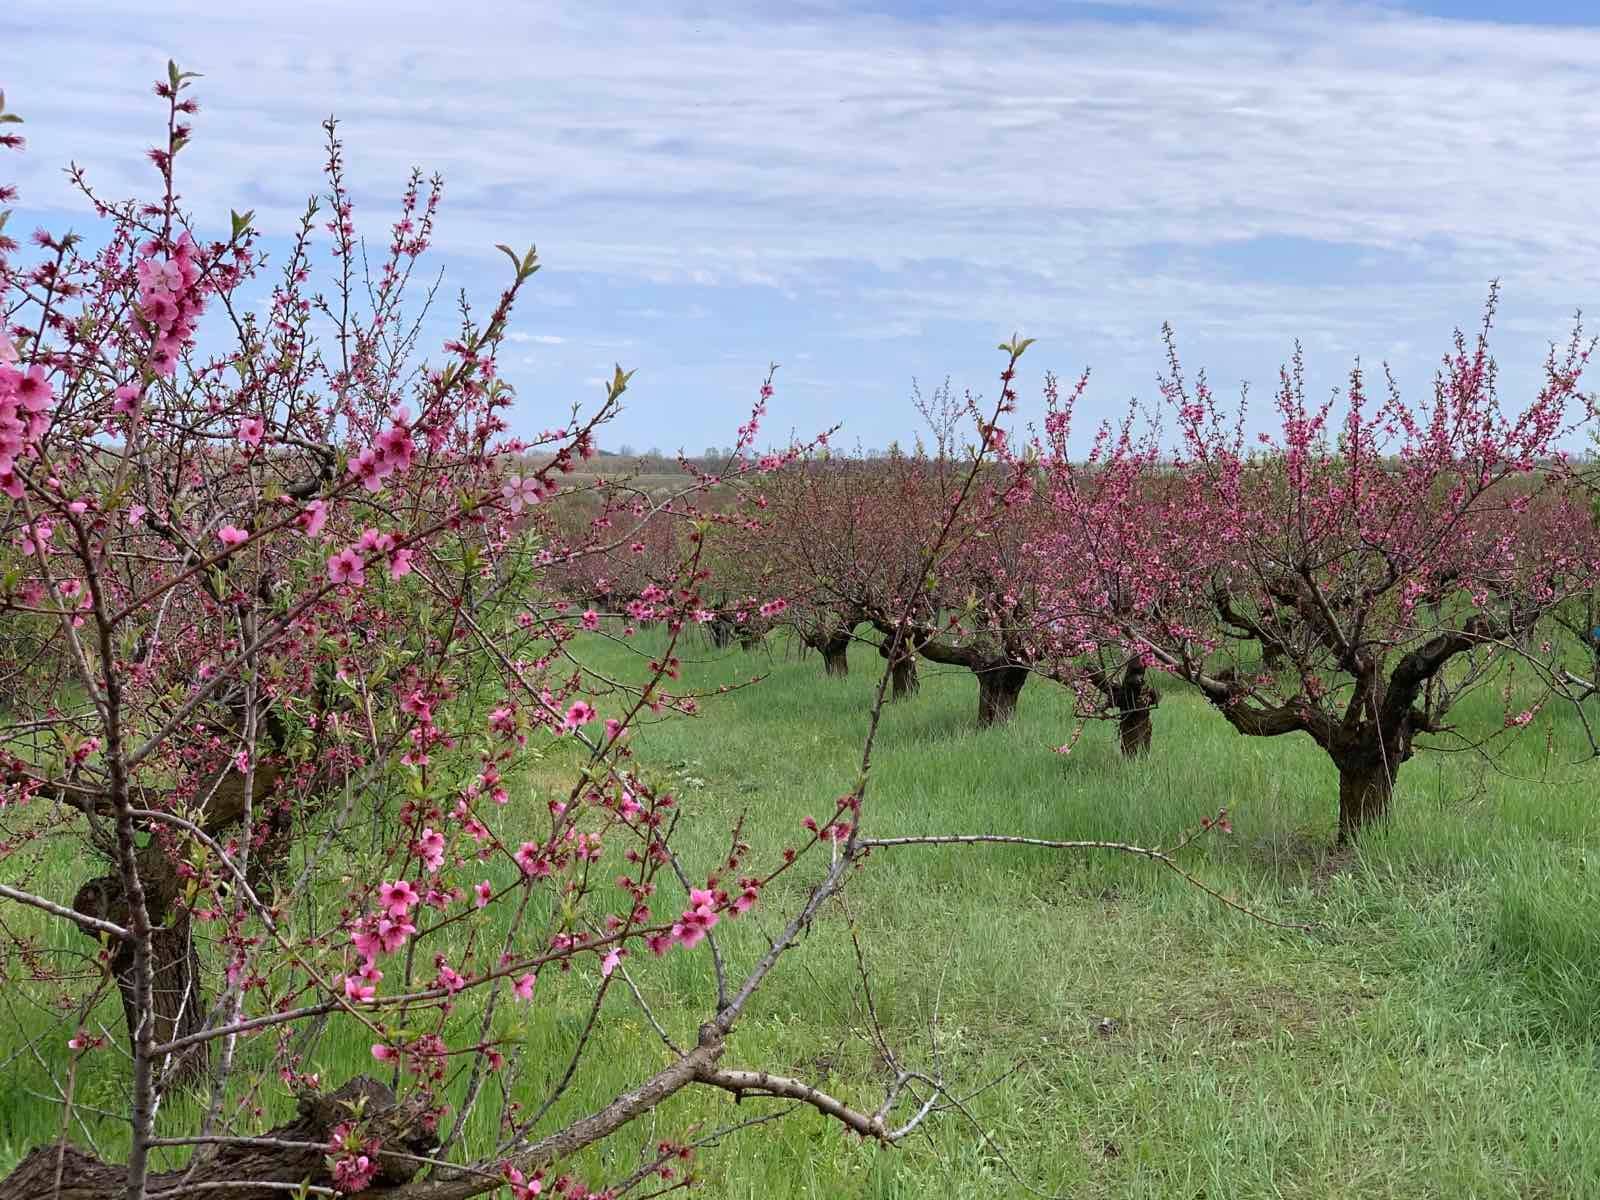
pixel 1437 1037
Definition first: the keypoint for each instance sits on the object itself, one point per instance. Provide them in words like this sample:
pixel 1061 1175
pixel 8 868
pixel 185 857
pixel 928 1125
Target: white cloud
pixel 759 151
pixel 970 171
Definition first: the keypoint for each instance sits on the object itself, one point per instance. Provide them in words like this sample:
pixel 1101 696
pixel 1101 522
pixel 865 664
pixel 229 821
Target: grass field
pixel 1436 1037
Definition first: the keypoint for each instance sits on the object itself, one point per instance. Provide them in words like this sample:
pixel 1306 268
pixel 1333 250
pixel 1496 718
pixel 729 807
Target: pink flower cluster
pixel 169 299
pixel 382 933
pixel 355 1161
pixel 24 400
pixel 390 452
pixel 702 916
pixel 349 565
pixel 523 1187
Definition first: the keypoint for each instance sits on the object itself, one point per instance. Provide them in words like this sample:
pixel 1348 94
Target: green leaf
pixel 241 221
pixel 511 254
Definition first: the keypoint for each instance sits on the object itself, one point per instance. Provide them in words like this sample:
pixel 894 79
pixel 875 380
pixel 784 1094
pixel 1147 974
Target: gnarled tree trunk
pixel 835 651
pixel 275 1171
pixel 998 689
pixel 1135 701
pixel 1365 788
pixel 177 1002
pixel 903 680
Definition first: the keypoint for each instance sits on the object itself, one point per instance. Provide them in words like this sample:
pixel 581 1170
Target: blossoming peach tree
pixel 1353 578
pixel 284 651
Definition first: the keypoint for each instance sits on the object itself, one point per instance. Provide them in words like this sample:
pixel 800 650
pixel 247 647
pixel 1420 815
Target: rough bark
pixel 903 680
pixel 998 689
pixel 835 650
pixel 177 1001
pixel 399 1127
pixel 1135 731
pixel 1365 789
pixel 1135 701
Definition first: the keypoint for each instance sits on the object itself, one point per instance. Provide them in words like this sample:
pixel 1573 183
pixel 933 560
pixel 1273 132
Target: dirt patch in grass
pixel 1227 1020
pixel 1334 863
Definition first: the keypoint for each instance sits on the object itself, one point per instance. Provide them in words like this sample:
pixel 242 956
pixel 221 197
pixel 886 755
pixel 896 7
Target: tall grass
pixel 1435 1037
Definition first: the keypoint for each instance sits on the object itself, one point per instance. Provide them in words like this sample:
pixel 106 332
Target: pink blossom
pixel 231 536
pixel 609 963
pixel 346 567
pixel 313 517
pixel 698 919
pixel 522 492
pixel 590 620
pixel 523 986
pixel 430 849
pixel 36 537
pixel 527 857
pixel 522 1188
pixel 365 939
pixel 484 892
pixel 353 1173
pixel 397 898
pixel 449 978
pixel 384 1053
pixel 392 935
pixel 250 431
pixel 578 715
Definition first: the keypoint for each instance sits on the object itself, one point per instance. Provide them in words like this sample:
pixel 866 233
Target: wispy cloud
pixel 1251 172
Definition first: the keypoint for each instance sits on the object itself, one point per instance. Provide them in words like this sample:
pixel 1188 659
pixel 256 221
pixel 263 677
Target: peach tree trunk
pixel 998 690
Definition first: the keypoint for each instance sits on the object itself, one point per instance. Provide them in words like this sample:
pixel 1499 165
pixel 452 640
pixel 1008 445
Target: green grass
pixel 1437 1037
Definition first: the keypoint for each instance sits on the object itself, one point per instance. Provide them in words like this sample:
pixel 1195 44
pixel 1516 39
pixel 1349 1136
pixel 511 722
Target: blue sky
pixel 867 193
